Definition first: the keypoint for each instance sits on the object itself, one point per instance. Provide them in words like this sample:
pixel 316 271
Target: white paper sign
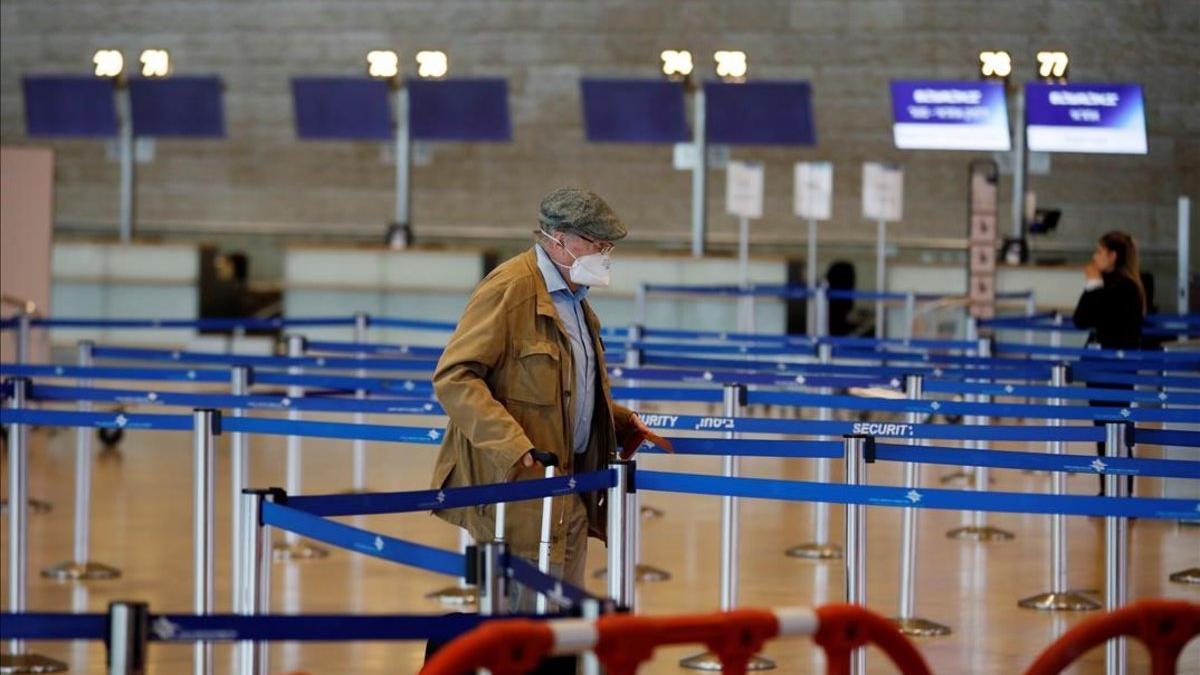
pixel 813 196
pixel 882 191
pixel 744 189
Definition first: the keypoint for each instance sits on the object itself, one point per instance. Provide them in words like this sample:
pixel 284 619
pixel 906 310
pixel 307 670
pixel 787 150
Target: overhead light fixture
pixel 996 64
pixel 383 64
pixel 108 62
pixel 432 64
pixel 1053 65
pixel 731 65
pixel 676 64
pixel 155 63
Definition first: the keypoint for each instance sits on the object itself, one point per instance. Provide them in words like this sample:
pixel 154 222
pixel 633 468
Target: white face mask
pixel 594 269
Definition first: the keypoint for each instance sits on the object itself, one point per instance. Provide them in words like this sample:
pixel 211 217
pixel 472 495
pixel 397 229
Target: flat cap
pixel 581 212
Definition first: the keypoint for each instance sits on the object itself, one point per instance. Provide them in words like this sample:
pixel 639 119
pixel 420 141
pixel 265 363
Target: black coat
pixel 1113 313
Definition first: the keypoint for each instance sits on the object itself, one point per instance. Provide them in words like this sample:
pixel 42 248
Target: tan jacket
pixel 505 381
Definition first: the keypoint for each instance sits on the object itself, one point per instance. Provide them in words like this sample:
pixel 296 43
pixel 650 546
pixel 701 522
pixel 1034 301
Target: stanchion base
pixel 30 663
pixel 284 552
pixel 35 506
pixel 354 491
pixel 641 573
pixel 458 596
pixel 710 661
pixel 651 513
pixel 1069 601
pixel 920 627
pixel 650 573
pixel 815 551
pixel 73 571
pixel 977 533
pixel 1188 576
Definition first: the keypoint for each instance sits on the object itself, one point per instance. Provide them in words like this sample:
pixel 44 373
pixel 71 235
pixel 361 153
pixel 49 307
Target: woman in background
pixel 1112 307
pixel 1113 303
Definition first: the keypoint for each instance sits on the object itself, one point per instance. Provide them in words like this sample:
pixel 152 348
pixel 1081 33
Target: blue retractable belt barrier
pixel 57 418
pixel 1031 372
pixel 177 356
pixel 347 383
pixel 361 541
pixel 755 448
pixel 983 409
pixel 267 627
pixel 698 348
pixel 917 343
pixel 448 498
pixel 418 324
pixel 367 432
pixel 1098 375
pixel 101 373
pixel 1103 354
pixel 736 377
pixel 197 324
pixel 928 498
pixel 42 392
pixel 676 334
pixel 1067 393
pixel 883 429
pixel 53 626
pixel 559 592
pixel 1038 461
pixel 374 348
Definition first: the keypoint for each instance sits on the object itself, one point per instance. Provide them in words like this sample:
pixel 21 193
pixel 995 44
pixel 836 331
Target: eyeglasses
pixel 603 248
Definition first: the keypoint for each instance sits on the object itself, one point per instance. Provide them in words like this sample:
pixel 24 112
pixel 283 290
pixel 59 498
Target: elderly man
pixel 524 372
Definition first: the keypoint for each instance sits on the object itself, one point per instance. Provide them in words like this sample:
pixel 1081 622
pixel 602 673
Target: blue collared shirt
pixel 570 311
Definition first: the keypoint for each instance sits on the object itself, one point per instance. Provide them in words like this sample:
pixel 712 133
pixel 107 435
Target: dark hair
pixel 1127 264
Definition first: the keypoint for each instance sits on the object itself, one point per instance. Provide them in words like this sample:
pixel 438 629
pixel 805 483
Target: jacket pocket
pixel 535 378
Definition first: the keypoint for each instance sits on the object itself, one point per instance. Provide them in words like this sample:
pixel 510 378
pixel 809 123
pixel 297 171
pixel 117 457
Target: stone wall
pixel 262 177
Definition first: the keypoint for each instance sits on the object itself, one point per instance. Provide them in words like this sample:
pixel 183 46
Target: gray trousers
pixel 522 600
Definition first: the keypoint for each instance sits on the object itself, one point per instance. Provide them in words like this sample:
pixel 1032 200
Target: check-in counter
pixel 101 280
pixel 410 284
pixel 435 285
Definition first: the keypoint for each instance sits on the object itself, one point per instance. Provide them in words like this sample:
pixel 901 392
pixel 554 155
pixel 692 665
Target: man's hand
pixel 639 424
pixel 642 434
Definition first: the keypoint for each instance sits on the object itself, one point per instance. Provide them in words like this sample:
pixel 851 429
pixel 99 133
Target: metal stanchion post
pixel 823 309
pixel 80 566
pixel 620 547
pixel 17 661
pixel 240 382
pixel 979 530
pixel 1116 546
pixel 24 328
pixel 291 548
pixel 734 401
pixel 1060 597
pixel 205 426
pixel 910 314
pixel 25 355
pixel 358 477
pixel 907 621
pixel 490 577
pixel 854 448
pixel 128 634
pixel 252 592
pixel 639 304
pixel 1030 310
pixel 820 548
pixel 963 473
pixel 543 601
